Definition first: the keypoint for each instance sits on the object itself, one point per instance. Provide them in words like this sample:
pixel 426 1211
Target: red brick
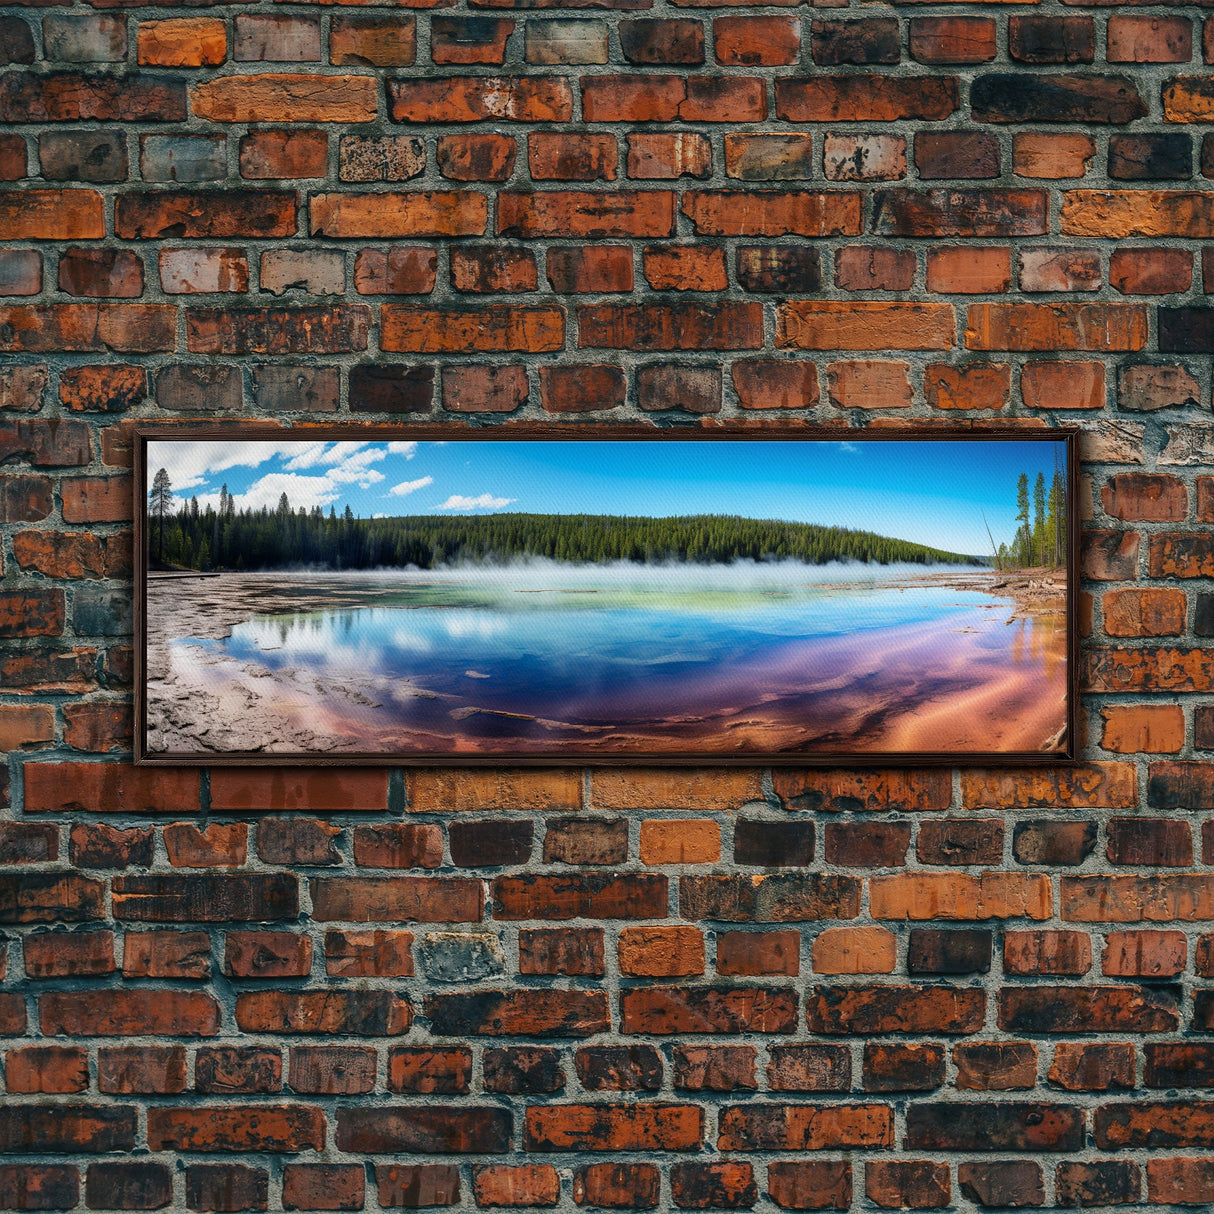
pixel 502 327
pixel 264 954
pixel 182 42
pixel 500 1185
pixel 581 388
pixel 969 271
pixel 1143 728
pixel 318 1186
pixel 667 156
pixel 480 98
pixel 617 1185
pixel 414 1185
pixel 166 954
pixel 109 788
pixel 49 1069
pixel 753 954
pixel 804 1127
pixel 865 97
pixel 125 328
pixel 101 273
pixel 69 954
pixel 126 1013
pixel 1132 613
pixel 429 1071
pixel 284 154
pixel 1179 1181
pixel 375 1013
pixel 1043 270
pixel 205 214
pixel 661 952
pixel 575 951
pixel 874 268
pixel 685 268
pixel 1151 271
pixel 869 383
pixel 809 1068
pixel 590 270
pixel 667 98
pixel 974 386
pixel 899 1184
pixel 775 385
pixel 677 326
pixel 476 157
pixel 332 1070
pixel 614 1127
pixel 1140 497
pixel 1149 39
pixel 557 156
pixel 243 789
pixel 810 1185
pixel 756 41
pixel 493 268
pixel 469 40
pixel 1063 385
pixel 938 40
pixel 219 1128
pixel 855 950
pixel 445 790
pixel 366 954
pixel 566 213
pixel 772 213
pixel 894 1009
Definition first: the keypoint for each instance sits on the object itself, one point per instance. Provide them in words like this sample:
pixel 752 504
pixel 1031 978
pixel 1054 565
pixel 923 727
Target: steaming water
pixel 622 646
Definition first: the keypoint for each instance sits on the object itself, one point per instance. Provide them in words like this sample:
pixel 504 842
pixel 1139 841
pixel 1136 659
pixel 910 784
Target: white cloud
pixel 850 448
pixel 485 501
pixel 190 464
pixel 408 450
pixel 306 491
pixel 411 486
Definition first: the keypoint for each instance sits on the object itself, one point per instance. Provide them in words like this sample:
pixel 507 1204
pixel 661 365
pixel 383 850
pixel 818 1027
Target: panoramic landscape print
pixel 577 598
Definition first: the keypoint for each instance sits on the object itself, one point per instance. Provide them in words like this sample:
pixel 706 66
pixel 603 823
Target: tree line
pixel 210 539
pixel 1040 538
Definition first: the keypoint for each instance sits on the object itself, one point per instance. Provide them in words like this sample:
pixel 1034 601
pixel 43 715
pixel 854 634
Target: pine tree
pixel 1039 520
pixel 161 503
pixel 1022 517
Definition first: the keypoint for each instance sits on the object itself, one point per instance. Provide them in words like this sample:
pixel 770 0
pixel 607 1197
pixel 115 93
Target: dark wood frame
pixel 241 432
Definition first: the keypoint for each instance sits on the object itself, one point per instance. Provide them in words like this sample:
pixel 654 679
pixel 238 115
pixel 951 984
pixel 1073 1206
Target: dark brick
pixel 1004 97
pixel 903 1068
pixel 1052 39
pixel 779 269
pixel 773 844
pixel 1006 1184
pixel 1100 1182
pixel 1150 157
pixel 226 1187
pixel 489 843
pixel 522 1070
pixel 1002 1126
pixel 871 41
pixel 1053 842
pixel 1186 330
pixel 16 41
pixel 130 1185
pixel 959 951
pixel 619 1068
pixel 391 388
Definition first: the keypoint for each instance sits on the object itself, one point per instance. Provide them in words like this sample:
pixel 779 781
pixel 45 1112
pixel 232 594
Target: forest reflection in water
pixel 713 659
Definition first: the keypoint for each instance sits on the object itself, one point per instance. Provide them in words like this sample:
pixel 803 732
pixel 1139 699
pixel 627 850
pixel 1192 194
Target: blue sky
pixel 931 492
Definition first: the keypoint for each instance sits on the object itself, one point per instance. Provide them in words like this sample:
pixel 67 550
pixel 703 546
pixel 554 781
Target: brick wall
pixel 269 990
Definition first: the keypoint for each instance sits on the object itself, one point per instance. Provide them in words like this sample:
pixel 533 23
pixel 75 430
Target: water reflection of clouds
pixel 478 625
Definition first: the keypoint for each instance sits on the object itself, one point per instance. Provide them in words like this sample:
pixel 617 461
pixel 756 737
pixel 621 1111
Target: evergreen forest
pixel 1040 539
pixel 209 539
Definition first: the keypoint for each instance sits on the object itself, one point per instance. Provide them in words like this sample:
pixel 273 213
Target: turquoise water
pixel 480 655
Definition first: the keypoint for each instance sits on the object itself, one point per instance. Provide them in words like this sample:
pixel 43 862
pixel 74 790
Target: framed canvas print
pixel 539 596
